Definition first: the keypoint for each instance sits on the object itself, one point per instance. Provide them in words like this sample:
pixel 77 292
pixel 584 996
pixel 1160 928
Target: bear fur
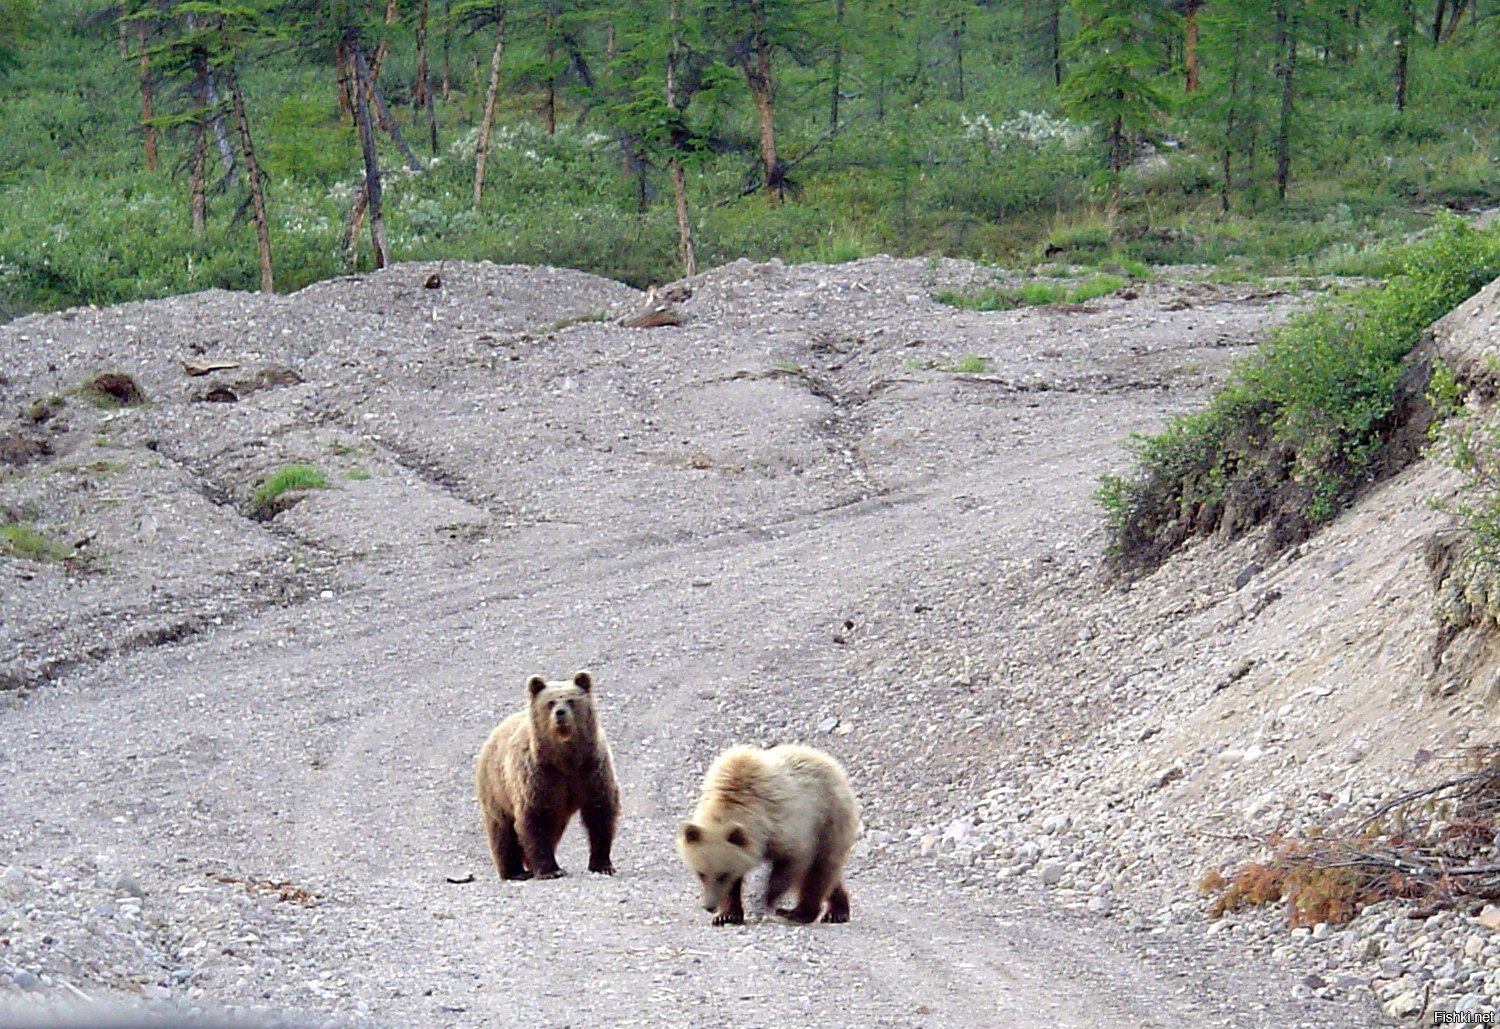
pixel 537 769
pixel 790 806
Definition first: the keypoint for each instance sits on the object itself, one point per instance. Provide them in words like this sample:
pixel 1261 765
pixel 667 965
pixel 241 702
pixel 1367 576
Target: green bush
pixel 1299 426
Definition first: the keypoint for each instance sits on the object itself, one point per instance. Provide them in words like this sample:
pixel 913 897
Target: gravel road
pixel 237 757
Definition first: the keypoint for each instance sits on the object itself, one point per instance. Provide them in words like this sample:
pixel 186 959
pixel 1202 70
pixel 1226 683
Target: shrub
pixel 1298 428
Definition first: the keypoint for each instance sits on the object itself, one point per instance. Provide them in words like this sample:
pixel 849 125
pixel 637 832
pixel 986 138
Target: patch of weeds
pixel 790 367
pixel 578 319
pixel 23 541
pixel 1088 238
pixel 920 364
pixel 991 298
pixel 43 409
pixel 357 474
pixel 840 250
pixel 971 364
pixel 99 468
pixel 1034 293
pixel 292 477
pixel 346 449
pixel 112 390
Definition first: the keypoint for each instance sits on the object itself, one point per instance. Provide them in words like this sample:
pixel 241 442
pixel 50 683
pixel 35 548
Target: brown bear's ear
pixel 690 833
pixel 583 680
pixel 535 685
pixel 738 838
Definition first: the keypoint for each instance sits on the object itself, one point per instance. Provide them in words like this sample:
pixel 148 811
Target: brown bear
pixel 789 805
pixel 537 769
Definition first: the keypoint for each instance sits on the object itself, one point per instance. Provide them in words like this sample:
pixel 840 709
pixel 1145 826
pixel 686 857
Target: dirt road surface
pixel 237 763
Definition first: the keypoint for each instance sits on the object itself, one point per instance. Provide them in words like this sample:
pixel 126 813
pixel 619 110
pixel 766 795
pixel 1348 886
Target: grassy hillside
pixel 979 164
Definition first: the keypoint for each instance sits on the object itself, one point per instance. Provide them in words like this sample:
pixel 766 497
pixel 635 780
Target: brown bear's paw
pixel 836 917
pixel 603 868
pixel 797 914
pixel 518 877
pixel 730 919
pixel 555 873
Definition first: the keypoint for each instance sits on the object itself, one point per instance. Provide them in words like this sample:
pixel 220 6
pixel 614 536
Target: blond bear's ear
pixel 535 685
pixel 583 680
pixel 737 837
pixel 690 833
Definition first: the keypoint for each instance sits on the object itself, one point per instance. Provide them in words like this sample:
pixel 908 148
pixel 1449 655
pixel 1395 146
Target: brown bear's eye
pixel 723 876
pixel 702 877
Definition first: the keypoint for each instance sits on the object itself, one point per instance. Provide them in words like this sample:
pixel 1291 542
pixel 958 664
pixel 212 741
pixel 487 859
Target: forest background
pixel 158 147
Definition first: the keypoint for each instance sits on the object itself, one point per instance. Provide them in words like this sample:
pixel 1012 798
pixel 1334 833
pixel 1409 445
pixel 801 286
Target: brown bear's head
pixel 719 854
pixel 562 711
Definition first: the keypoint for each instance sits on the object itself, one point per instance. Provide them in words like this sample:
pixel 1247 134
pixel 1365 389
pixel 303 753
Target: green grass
pixel 292 477
pixel 1300 427
pixel 971 364
pixel 90 391
pixel 1035 293
pixel 578 319
pixel 357 474
pixel 22 541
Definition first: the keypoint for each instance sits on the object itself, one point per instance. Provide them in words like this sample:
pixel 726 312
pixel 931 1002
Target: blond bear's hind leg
pixel 838 904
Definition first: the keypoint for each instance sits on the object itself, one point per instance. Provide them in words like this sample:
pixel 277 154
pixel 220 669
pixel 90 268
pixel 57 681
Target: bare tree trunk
pixel 549 97
pixel 364 86
pixel 384 46
pixel 1455 19
pixel 757 64
pixel 252 178
pixel 221 133
pixel 422 95
pixel 679 180
pixel 419 88
pixel 1054 40
pixel 124 41
pixel 352 225
pixel 1116 146
pixel 1437 21
pixel 388 123
pixel 148 98
pixel 447 48
pixel 1231 125
pixel 341 71
pixel 487 123
pixel 1190 43
pixel 958 55
pixel 1403 50
pixel 838 66
pixel 1286 47
pixel 197 173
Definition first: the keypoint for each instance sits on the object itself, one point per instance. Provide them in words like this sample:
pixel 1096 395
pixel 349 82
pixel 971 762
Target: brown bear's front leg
pixel 539 837
pixel 732 911
pixel 599 820
pixel 505 848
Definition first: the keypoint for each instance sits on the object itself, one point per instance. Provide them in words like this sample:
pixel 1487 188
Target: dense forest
pixel 155 146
